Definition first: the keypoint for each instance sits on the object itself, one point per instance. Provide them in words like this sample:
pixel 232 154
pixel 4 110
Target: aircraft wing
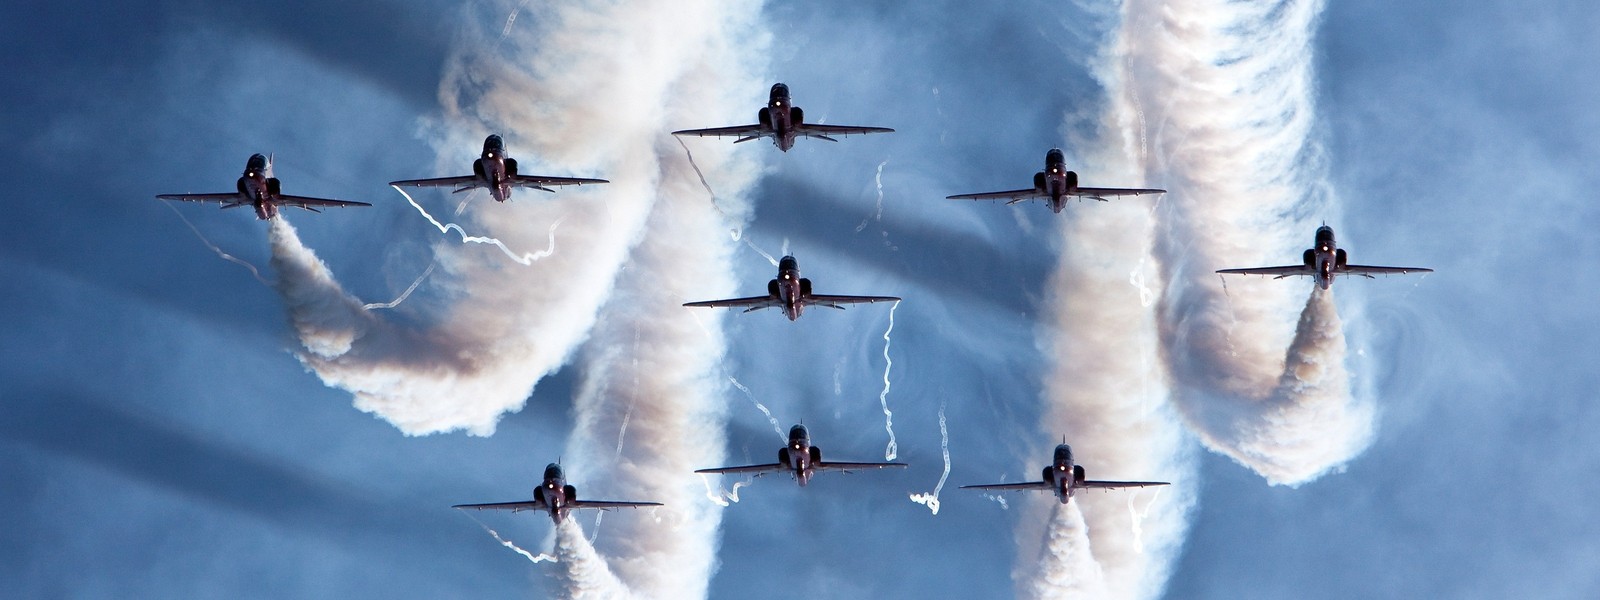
pixel 749 304
pixel 1367 271
pixel 826 131
pixel 1102 193
pixel 1008 487
pixel 1111 485
pixel 745 133
pixel 229 198
pixel 539 181
pixel 439 182
pixel 511 506
pixel 835 301
pixel 1011 197
pixel 312 204
pixel 607 504
pixel 758 470
pixel 853 466
pixel 1279 272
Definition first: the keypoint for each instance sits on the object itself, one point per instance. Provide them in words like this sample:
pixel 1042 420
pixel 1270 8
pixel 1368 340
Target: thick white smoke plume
pixel 581 89
pixel 1233 90
pixel 1213 99
pixel 584 574
pixel 1066 567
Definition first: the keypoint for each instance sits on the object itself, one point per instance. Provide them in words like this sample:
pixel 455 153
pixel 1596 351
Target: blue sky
pixel 162 440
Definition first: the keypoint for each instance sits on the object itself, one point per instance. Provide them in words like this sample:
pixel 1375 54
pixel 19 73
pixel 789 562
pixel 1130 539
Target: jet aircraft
pixel 556 496
pixel 1055 184
pixel 496 172
pixel 258 188
pixel 1064 478
pixel 802 460
pixel 782 121
pixel 792 293
pixel 1324 262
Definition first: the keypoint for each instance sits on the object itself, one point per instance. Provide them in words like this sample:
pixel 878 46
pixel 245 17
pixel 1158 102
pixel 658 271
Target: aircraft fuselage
pixel 257 189
pixel 555 493
pixel 1062 474
pixel 492 168
pixel 799 455
pixel 790 288
pixel 1055 180
pixel 780 115
pixel 1326 257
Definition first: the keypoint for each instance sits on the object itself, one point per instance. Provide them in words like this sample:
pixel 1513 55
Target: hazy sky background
pixel 159 438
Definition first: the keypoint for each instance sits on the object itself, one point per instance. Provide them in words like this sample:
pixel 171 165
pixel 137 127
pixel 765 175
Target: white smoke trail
pixel 524 259
pixel 254 272
pixel 1310 422
pixel 588 87
pixel 584 573
pixel 776 428
pixel 407 293
pixel 878 212
pixel 892 449
pixel 534 558
pixel 645 335
pixel 1066 563
pixel 1107 391
pixel 722 497
pixel 931 500
pixel 1236 145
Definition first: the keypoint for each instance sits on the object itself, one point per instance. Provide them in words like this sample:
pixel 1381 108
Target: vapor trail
pixel 254 272
pixel 1236 145
pixel 534 558
pixel 776 428
pixel 584 574
pixel 1066 562
pixel 409 289
pixel 892 449
pixel 932 500
pixel 524 259
pixel 878 213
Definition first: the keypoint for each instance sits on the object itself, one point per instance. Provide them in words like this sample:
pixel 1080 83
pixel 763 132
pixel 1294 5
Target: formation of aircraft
pixel 802 460
pixel 557 497
pixel 1324 262
pixel 1055 184
pixel 782 121
pixel 258 188
pixel 792 293
pixel 496 172
pixel 1063 478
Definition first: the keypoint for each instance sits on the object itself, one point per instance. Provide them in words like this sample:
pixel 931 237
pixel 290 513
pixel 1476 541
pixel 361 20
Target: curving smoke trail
pixel 1236 144
pixel 1309 422
pixel 586 87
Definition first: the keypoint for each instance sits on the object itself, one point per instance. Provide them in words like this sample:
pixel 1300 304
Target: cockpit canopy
pixel 493 142
pixel 1054 157
pixel 1324 235
pixel 1063 454
pixel 798 432
pixel 553 472
pixel 779 91
pixel 788 263
pixel 257 163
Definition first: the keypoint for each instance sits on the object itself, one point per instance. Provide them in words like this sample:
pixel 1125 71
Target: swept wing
pixel 1277 272
pixel 1367 271
pixel 836 301
pixel 511 506
pixel 1032 485
pixel 757 470
pixel 749 304
pixel 852 466
pixel 1111 485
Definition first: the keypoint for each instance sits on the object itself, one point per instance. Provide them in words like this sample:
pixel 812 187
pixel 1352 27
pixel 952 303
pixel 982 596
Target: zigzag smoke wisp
pixel 1237 145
